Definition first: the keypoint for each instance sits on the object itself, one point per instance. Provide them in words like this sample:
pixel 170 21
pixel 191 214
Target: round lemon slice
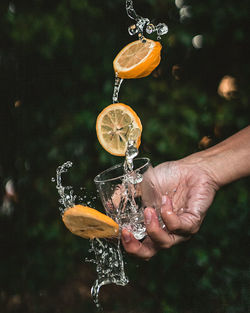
pixel 115 126
pixel 89 223
pixel 138 59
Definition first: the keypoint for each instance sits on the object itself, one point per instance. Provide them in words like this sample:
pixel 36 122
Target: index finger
pixel 144 250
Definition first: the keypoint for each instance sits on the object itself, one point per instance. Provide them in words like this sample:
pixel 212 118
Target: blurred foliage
pixel 56 75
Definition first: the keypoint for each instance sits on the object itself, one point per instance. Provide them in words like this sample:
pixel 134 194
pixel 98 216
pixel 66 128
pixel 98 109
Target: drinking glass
pixel 126 195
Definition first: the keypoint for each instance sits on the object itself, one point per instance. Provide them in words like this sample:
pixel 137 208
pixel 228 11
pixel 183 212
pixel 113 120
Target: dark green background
pixel 55 77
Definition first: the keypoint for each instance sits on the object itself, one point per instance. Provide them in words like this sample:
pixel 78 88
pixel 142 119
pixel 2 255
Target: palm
pixel 191 190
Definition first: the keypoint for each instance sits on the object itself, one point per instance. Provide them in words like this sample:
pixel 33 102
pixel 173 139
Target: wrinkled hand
pixel 188 189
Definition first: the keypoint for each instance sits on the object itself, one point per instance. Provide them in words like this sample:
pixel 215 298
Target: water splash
pixel 107 255
pixel 108 258
pixel 143 23
pixel 117 86
pixel 66 193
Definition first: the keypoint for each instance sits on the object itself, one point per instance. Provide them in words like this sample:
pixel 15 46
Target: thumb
pixel 170 219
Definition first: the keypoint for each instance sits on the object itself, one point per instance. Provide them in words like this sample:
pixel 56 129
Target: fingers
pixel 162 238
pixel 144 250
pixel 178 229
pixel 185 223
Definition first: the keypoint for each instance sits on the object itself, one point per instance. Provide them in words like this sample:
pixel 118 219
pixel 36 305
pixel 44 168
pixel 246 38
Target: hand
pixel 188 189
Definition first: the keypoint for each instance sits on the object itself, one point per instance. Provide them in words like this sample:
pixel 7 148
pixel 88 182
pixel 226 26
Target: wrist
pixel 228 160
pixel 215 162
pixel 206 161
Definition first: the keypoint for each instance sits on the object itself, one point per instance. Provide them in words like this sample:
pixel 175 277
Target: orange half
pixel 138 59
pixel 115 126
pixel 89 223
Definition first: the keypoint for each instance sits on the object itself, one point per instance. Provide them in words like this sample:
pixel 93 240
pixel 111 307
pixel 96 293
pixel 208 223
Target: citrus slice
pixel 89 223
pixel 115 126
pixel 137 59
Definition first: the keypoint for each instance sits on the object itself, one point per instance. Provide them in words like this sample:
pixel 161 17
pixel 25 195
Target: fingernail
pixel 163 200
pixel 148 217
pixel 165 210
pixel 126 236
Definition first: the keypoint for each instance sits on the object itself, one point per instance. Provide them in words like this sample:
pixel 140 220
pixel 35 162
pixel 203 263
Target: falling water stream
pixel 117 86
pixel 142 23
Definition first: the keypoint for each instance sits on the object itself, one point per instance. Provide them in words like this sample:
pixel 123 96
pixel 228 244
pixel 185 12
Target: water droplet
pixel 150 28
pixel 61 210
pixel 161 29
pixel 141 38
pixel 142 23
pixel 132 30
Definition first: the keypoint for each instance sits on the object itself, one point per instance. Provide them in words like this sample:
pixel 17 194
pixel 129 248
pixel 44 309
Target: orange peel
pixel 115 126
pixel 138 59
pixel 89 223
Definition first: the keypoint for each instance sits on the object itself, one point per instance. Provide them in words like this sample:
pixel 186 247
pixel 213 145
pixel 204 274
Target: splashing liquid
pixel 143 23
pixel 109 265
pixel 67 198
pixel 107 254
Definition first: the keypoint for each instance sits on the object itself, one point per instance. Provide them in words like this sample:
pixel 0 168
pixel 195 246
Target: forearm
pixel 228 160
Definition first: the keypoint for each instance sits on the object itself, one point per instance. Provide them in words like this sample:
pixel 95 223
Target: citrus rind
pixel 115 126
pixel 137 59
pixel 89 223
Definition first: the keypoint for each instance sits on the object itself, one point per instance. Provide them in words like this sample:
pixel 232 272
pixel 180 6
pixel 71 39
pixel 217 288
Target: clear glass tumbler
pixel 125 196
